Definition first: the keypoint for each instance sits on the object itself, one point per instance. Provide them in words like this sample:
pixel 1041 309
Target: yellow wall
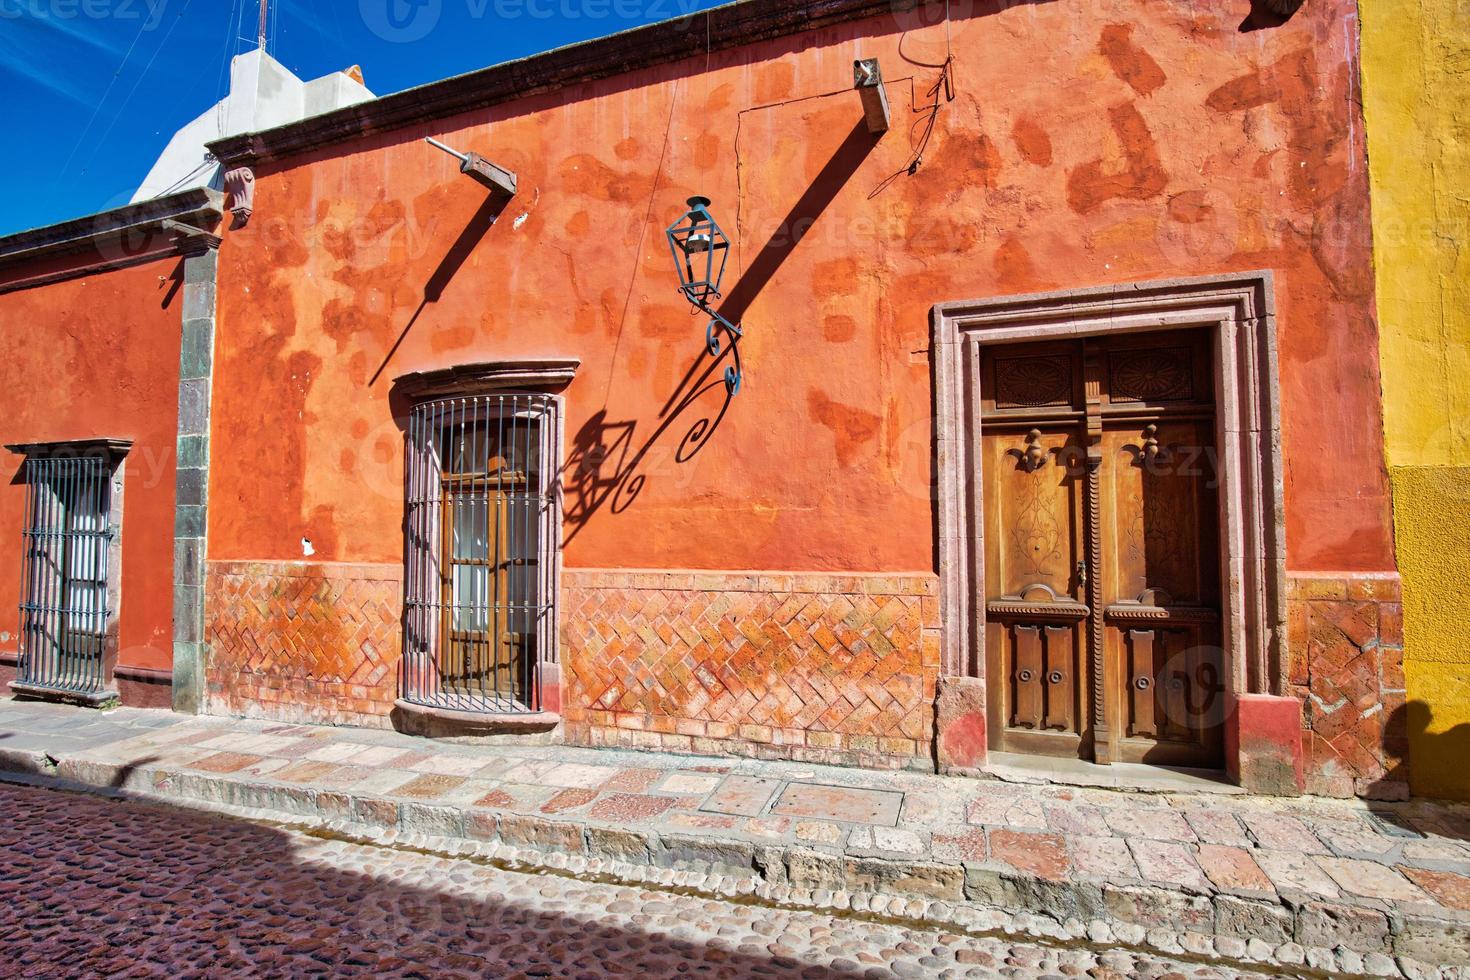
pixel 1416 88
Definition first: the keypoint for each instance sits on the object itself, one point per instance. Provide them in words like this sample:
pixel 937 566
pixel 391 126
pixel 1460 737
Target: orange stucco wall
pixel 93 357
pixel 1082 147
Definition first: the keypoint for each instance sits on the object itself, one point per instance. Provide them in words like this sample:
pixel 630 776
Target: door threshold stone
pixel 1035 770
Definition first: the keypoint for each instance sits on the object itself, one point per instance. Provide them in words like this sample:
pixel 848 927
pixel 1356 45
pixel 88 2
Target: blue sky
pixel 91 90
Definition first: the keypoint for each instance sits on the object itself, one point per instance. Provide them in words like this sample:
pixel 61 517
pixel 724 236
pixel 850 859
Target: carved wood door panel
pixel 1161 584
pixel 1035 551
pixel 1101 556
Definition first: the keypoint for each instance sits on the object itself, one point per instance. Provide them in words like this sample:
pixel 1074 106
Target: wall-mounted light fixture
pixel 499 181
pixel 867 78
pixel 700 251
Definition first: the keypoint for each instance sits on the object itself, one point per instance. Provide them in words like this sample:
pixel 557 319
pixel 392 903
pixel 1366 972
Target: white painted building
pixel 263 94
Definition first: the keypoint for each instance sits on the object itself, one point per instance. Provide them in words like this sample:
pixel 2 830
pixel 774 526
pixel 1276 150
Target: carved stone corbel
pixel 240 186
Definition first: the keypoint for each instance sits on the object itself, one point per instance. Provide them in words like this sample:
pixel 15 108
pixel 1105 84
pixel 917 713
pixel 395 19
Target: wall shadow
pixel 823 190
pixel 606 463
pixel 551 87
pixel 171 284
pixel 196 894
pixel 1406 735
pixel 1263 17
pixel 474 231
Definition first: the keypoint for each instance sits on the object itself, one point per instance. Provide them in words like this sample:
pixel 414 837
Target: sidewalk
pixel 1319 884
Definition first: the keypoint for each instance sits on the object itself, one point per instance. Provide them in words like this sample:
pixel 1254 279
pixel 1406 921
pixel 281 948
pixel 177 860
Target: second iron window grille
pixel 65 605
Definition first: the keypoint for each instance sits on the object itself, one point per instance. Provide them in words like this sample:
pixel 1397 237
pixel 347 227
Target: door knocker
pixel 1033 457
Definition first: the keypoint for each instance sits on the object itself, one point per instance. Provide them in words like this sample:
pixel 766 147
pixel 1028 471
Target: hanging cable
pixel 704 113
pixel 191 96
pixel 940 93
pixel 142 75
pixel 100 102
pixel 227 49
pixel 948 39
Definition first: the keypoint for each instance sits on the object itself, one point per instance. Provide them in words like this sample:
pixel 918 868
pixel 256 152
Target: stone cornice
pixel 112 239
pixel 1244 297
pixel 199 207
pixel 722 28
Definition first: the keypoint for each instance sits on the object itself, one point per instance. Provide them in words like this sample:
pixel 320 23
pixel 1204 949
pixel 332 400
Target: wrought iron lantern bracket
pixel 733 374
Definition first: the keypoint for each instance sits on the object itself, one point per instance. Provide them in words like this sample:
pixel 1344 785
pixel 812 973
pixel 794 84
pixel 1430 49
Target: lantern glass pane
pixel 723 253
pixel 694 239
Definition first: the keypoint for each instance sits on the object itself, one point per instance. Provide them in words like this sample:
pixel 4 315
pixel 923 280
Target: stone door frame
pixel 1239 310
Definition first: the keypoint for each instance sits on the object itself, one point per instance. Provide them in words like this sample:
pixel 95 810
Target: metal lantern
pixel 700 250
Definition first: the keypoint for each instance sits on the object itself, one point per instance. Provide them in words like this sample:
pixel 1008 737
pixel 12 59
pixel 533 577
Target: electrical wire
pixel 98 107
pixel 197 171
pixel 322 24
pixel 240 37
pixel 190 96
pixel 940 93
pixel 658 174
pixel 948 54
pixel 704 170
pixel 236 8
pixel 142 75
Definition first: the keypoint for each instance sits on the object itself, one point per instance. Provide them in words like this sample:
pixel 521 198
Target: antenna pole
pixel 264 5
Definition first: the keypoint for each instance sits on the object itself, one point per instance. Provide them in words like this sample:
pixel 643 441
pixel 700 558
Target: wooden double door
pixel 1101 549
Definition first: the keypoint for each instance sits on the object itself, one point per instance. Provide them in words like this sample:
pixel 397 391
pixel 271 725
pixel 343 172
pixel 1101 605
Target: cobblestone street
pixel 95 886
pixel 1185 872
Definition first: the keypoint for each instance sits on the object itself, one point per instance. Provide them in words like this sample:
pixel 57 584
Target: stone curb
pixel 25 761
pixel 1298 931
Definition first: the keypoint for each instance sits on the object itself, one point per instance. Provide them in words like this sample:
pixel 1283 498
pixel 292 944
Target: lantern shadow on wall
pixel 607 465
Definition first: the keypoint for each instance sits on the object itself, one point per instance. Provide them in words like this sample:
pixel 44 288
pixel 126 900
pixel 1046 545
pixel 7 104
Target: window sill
pixel 106 698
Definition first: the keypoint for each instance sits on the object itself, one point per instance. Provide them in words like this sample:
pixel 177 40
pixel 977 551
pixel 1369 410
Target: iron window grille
pixel 481 549
pixel 69 588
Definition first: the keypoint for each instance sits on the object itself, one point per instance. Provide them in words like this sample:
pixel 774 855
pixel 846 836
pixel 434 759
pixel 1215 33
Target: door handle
pixel 1082 575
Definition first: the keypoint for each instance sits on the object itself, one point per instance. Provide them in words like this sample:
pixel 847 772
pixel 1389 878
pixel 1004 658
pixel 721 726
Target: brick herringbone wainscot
pixel 1347 661
pixel 818 668
pixel 303 643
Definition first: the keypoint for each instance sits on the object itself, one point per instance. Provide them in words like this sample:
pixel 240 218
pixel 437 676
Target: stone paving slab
pixel 1335 885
